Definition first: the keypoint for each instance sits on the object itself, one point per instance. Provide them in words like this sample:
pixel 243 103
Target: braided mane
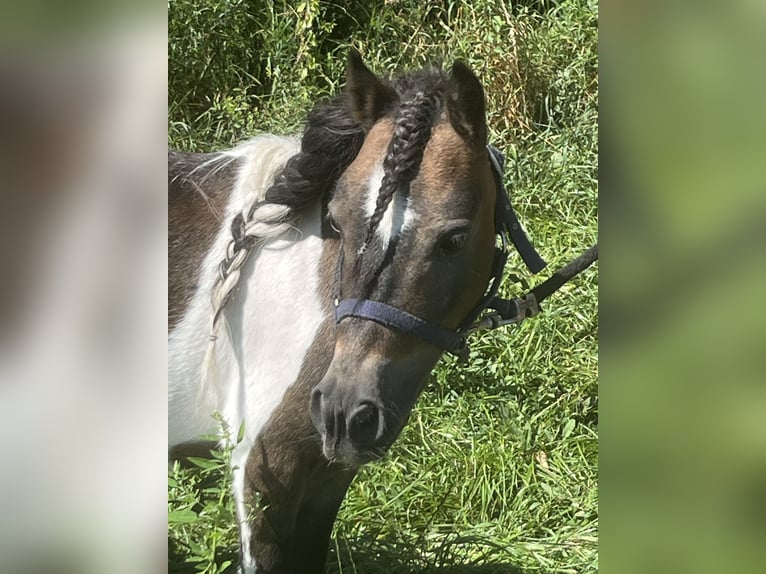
pixel 331 141
pixel 421 96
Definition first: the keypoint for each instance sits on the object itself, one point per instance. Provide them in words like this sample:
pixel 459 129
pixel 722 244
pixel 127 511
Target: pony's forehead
pixel 373 150
pixel 447 160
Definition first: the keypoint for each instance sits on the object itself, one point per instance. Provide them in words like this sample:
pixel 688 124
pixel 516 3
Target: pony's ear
pixel 465 105
pixel 369 98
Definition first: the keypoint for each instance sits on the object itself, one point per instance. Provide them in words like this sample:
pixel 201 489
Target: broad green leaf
pixel 184 516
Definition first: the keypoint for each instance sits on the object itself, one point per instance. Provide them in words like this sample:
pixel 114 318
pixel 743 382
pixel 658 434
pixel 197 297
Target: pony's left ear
pixel 465 105
pixel 369 97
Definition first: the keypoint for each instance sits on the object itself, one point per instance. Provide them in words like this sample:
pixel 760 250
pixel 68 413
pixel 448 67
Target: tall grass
pixel 497 469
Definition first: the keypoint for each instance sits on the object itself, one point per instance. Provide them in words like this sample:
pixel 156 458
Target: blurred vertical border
pixel 83 286
pixel 683 231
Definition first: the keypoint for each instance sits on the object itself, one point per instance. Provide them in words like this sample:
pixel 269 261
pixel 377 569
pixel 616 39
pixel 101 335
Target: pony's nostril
pixel 316 407
pixel 322 414
pixel 316 404
pixel 364 424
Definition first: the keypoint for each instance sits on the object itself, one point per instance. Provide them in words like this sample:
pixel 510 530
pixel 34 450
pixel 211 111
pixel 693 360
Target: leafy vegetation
pixel 497 469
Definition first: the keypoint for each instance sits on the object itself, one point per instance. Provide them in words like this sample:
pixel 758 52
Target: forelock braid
pixel 412 130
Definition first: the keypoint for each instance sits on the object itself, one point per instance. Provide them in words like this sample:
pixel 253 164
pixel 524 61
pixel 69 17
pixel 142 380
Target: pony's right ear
pixel 369 98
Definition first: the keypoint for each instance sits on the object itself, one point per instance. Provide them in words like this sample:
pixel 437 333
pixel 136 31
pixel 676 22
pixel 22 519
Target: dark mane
pixel 332 139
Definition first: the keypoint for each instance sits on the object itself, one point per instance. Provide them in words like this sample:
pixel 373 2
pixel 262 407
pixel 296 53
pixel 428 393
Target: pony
pixel 314 283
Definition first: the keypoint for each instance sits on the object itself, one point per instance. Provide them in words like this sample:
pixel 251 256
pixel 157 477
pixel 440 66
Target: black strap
pixel 574 267
pixel 506 219
pixel 394 318
pixel 528 253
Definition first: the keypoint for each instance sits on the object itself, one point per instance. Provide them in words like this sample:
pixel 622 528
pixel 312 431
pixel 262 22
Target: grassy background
pixel 497 470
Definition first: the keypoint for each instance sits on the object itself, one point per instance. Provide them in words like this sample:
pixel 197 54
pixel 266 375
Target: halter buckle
pixel 526 307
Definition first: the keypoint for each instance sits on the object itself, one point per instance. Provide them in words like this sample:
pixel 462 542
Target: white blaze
pixel 399 215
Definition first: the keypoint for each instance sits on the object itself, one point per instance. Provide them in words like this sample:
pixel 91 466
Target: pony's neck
pixel 205 376
pixel 273 319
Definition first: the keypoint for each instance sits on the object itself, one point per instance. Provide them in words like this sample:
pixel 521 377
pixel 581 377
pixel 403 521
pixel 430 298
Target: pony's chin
pixel 346 454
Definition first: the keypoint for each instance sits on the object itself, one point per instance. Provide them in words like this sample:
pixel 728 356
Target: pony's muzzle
pixel 357 423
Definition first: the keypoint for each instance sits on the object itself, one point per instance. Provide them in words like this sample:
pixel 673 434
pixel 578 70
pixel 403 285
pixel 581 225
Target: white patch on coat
pixel 243 507
pixel 271 321
pixel 399 215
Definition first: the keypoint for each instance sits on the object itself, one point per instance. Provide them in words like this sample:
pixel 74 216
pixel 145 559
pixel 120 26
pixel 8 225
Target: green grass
pixel 497 470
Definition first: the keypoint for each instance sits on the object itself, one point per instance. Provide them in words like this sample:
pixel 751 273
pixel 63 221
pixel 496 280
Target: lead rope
pixel 515 311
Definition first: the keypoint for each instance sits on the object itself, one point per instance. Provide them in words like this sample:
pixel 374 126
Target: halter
pixel 506 311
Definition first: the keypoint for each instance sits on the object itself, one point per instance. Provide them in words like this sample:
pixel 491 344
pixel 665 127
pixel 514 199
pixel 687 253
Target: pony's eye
pixel 453 242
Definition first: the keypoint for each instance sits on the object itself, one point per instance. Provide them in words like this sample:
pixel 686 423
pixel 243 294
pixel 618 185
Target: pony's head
pixel 415 214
